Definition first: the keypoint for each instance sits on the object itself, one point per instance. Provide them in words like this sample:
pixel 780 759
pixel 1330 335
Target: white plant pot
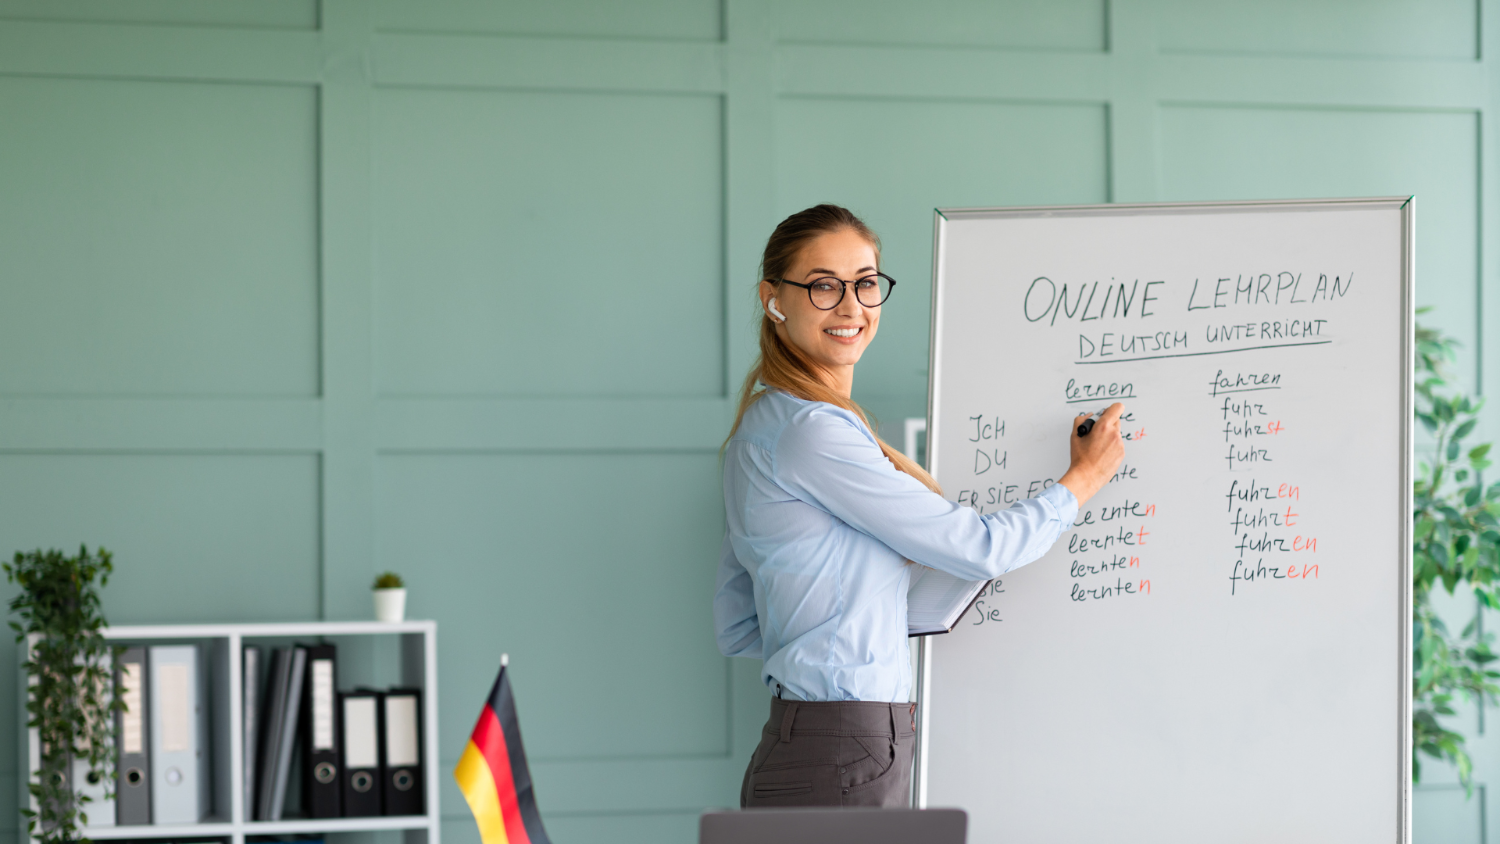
pixel 390 604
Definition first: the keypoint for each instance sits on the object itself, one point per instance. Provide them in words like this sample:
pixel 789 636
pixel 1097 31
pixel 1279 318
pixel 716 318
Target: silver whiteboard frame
pixel 1407 206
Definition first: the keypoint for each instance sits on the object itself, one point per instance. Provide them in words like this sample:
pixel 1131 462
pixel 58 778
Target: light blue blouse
pixel 813 573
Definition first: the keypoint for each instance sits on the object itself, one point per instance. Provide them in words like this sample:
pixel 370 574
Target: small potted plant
pixel 390 597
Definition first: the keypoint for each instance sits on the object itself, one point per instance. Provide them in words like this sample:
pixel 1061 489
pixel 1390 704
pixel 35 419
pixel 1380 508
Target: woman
pixel 825 520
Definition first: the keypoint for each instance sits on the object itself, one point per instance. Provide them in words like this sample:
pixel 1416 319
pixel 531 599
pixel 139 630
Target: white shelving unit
pixel 225 644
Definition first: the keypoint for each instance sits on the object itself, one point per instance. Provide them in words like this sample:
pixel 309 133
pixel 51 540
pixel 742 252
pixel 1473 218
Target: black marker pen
pixel 1088 424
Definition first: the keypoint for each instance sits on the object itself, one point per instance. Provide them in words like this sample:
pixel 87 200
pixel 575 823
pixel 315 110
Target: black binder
pixel 133 770
pixel 362 783
pixel 320 745
pixel 401 751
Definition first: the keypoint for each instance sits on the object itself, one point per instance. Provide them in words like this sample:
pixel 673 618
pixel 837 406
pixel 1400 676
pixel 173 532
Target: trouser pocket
pixel 770 790
pixel 892 786
pixel 802 785
pixel 881 755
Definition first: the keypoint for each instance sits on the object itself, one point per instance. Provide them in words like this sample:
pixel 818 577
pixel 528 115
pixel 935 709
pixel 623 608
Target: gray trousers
pixel 839 753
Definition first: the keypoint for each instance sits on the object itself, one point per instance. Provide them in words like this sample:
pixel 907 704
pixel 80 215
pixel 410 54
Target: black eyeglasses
pixel 827 292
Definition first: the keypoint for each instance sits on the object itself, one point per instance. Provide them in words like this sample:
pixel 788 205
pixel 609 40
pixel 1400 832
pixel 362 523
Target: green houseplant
pixel 390 597
pixel 72 697
pixel 1456 544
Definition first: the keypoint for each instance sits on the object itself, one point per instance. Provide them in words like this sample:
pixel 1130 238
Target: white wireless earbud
pixel 771 306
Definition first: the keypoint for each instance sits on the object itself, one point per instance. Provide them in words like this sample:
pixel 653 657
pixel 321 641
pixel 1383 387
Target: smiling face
pixel 833 339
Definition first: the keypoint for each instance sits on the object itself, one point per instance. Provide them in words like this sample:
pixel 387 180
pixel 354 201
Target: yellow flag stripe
pixel 478 785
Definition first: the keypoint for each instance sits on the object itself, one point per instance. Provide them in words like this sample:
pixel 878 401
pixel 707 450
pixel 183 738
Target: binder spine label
pixel 176 701
pixel 132 723
pixel 400 731
pixel 322 704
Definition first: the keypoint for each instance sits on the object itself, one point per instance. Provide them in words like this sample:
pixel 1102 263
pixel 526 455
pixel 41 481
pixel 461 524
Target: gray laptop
pixel 834 826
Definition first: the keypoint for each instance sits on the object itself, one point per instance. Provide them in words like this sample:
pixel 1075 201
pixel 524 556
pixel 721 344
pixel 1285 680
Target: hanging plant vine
pixel 72 696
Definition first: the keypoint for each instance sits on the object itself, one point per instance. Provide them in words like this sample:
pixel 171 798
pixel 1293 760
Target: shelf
pixel 416 661
pixel 180 830
pixel 292 826
pixel 299 825
pixel 292 628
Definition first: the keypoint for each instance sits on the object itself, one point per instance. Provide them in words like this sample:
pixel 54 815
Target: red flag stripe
pixel 490 739
pixel 504 705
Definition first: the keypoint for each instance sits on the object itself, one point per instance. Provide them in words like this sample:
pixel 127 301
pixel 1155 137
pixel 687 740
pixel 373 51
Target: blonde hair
pixel 782 366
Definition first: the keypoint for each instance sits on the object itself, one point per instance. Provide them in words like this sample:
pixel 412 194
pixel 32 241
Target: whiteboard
pixel 1219 650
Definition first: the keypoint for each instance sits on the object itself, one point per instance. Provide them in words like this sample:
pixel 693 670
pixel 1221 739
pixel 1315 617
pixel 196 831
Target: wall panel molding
pixel 930 72
pixel 114 424
pixel 156 234
pixel 662 20
pixel 348 493
pixel 1344 83
pixel 497 61
pixel 196 536
pixel 1064 26
pixel 613 227
pixel 250 14
pixel 222 54
pixel 1441 30
pixel 551 424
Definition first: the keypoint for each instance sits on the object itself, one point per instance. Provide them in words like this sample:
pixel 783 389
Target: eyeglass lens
pixel 870 291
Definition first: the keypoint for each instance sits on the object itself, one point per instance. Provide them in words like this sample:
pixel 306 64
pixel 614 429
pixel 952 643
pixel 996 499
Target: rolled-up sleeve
pixel 736 624
pixel 831 461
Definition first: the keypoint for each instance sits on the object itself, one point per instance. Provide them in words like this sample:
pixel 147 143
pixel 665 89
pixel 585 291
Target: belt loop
pixel 892 713
pixel 786 721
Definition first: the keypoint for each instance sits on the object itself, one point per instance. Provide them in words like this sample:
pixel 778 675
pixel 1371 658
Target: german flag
pixel 493 775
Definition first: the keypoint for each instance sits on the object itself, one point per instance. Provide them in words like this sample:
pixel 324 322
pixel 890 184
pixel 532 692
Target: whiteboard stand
pixel 914 425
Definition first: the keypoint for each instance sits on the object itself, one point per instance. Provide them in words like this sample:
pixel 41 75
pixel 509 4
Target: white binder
pixel 179 769
pixel 251 715
pixel 100 811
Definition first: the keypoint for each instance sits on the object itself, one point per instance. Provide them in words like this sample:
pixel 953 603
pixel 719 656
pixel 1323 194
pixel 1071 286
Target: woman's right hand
pixel 1095 456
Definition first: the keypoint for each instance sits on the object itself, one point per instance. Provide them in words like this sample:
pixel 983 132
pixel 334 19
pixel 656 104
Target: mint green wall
pixel 293 292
